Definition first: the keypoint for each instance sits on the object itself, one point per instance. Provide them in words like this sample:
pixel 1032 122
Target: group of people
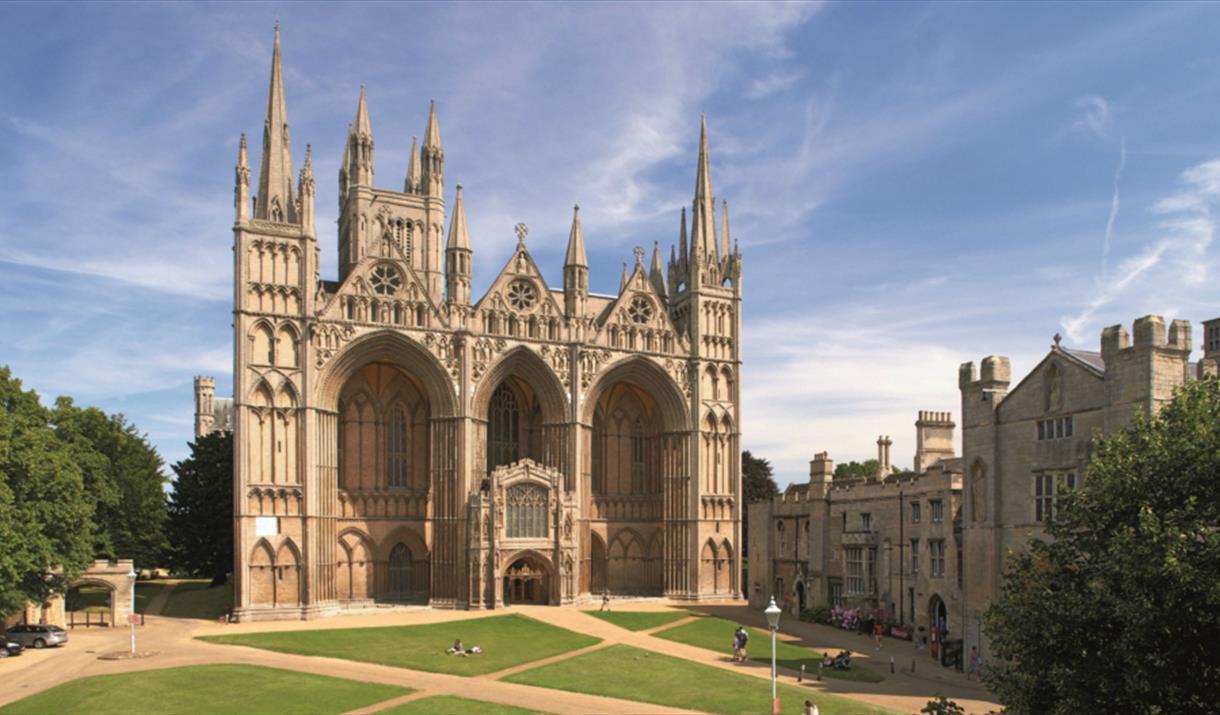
pixel 842 661
pixel 740 638
pixel 459 649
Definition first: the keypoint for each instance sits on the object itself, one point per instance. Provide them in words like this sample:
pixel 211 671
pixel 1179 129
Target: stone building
pixel 400 439
pixel 212 413
pixel 1025 445
pixel 890 541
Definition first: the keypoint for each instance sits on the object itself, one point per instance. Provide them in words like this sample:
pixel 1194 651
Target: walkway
pixel 173 640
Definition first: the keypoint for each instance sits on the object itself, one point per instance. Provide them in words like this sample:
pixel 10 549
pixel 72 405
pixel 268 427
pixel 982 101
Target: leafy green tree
pixel 201 509
pixel 45 515
pixel 123 474
pixel 848 470
pixel 757 484
pixel 1119 610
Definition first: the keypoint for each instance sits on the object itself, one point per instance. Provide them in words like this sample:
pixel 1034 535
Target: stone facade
pixel 889 541
pixel 212 413
pixel 1023 446
pixel 114 576
pixel 397 440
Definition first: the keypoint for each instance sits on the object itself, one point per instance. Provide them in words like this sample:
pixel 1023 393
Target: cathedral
pixel 400 440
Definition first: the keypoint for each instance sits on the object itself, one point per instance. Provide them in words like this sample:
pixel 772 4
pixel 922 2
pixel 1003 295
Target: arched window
pixel 401 566
pixel 396 463
pixel 637 457
pixel 527 517
pixel 598 460
pixel 504 434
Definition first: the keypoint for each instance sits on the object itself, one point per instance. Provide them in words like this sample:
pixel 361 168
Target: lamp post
pixel 773 612
pixel 133 576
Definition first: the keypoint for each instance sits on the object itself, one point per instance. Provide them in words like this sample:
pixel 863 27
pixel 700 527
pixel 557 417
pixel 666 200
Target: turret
pixel 205 394
pixel 654 273
pixel 458 255
pixel 275 201
pixel 307 192
pixel 575 271
pixel 411 185
pixel 981 394
pixel 933 439
pixel 1142 373
pixel 432 180
pixel 359 151
pixel 241 188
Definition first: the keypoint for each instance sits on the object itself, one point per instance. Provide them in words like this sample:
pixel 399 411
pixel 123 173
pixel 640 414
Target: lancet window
pixel 396 436
pixel 503 427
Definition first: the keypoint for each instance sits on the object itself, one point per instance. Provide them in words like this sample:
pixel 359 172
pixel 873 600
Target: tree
pixel 1119 609
pixel 848 470
pixel 45 513
pixel 123 475
pixel 201 509
pixel 757 484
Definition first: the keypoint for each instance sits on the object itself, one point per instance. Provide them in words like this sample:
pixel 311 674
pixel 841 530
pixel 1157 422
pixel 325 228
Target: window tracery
pixel 397 469
pixel 527 512
pixel 503 427
pixel 640 309
pixel 385 279
pixel 522 295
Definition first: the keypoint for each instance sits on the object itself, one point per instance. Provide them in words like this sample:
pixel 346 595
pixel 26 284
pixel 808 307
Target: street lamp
pixel 133 576
pixel 773 612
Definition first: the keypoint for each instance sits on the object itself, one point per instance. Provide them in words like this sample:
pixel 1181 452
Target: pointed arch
pixel 287 346
pixel 658 384
pixel 395 349
pixel 261 343
pixel 525 364
pixel 261 574
pixel 354 571
pixel 287 574
pixel 598 562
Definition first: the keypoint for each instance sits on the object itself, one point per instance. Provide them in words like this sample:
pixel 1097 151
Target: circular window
pixel 385 279
pixel 522 295
pixel 640 310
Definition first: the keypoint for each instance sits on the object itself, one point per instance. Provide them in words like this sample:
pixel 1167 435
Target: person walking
pixel 877 634
pixel 975 666
pixel 740 639
pixel 605 601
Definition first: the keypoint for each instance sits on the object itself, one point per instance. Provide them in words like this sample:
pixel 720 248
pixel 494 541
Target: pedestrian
pixel 742 639
pixel 605 600
pixel 877 634
pixel 975 666
pixel 810 708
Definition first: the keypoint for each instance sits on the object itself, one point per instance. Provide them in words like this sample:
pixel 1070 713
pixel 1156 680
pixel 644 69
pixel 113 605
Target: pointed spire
pixel 683 252
pixel 241 188
pixel 655 274
pixel 725 249
pixel 305 191
pixel 703 209
pixel 275 199
pixel 362 124
pixel 576 242
pixel 243 160
pixel 359 153
pixel 459 238
pixel 622 284
pixel 432 134
pixel 413 171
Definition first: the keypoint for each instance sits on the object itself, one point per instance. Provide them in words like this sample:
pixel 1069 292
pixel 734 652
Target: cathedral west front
pixel 400 440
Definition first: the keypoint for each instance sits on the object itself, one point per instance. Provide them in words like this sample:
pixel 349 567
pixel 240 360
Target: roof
pixel 1089 357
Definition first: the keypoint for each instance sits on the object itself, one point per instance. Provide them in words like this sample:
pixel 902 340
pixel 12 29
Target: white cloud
pixel 1094 115
pixel 768 85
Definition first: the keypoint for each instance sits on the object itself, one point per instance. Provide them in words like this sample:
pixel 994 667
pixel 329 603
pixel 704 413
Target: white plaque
pixel 266 525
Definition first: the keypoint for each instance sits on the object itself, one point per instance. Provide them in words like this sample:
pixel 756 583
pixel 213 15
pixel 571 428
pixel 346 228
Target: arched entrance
pixel 527 580
pixel 401 572
pixel 800 596
pixel 937 622
pixel 91 602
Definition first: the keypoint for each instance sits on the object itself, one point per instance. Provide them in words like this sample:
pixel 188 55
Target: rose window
pixel 640 310
pixel 521 295
pixel 385 280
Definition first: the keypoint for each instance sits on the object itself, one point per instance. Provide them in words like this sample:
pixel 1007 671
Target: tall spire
pixel 413 171
pixel 432 180
pixel 458 235
pixel 275 200
pixel 576 243
pixel 360 145
pixel 703 209
pixel 683 253
pixel 654 274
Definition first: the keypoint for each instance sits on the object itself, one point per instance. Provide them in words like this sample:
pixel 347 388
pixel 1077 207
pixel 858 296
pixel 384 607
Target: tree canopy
pixel 1119 609
pixel 847 470
pixel 757 482
pixel 201 504
pixel 46 514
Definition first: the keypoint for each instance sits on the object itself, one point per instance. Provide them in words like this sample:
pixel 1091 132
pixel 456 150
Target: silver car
pixel 38 636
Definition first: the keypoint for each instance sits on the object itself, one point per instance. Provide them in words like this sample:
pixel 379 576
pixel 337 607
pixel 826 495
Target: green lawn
pixel 207 689
pixel 145 592
pixel 639 620
pixel 194 599
pixel 506 641
pixel 717 634
pixel 88 598
pixel 622 671
pixel 453 705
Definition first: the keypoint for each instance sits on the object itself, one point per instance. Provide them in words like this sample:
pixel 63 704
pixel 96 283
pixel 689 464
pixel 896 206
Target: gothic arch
pixel 708 571
pixel 395 349
pixel 354 572
pixel 262 343
pixel 673 411
pixel 389 579
pixel 287 591
pixel 598 563
pixel 261 574
pixel 526 365
pixel 287 346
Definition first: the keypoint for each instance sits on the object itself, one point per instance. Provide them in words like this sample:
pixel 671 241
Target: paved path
pixel 157 603
pixel 174 641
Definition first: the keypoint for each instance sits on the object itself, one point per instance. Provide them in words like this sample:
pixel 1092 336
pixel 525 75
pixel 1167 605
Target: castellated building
pixel 212 413
pixel 930 547
pixel 398 439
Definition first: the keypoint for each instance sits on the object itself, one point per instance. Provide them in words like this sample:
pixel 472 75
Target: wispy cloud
pixel 1114 204
pixel 1094 116
pixel 766 86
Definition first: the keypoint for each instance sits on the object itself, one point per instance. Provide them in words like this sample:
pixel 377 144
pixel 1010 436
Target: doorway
pixel 527 581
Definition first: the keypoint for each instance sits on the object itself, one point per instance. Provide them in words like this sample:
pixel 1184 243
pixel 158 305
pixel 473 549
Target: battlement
pixel 996 372
pixel 205 382
pixel 930 417
pixel 933 438
pixel 1148 332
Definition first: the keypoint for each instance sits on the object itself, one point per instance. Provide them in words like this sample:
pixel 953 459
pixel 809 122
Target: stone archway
pixel 528 579
pixel 115 578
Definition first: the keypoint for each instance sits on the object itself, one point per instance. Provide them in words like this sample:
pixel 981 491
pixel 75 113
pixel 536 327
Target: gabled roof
pixel 1088 358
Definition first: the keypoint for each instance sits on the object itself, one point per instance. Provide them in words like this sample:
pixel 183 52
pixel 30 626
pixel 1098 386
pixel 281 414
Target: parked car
pixel 10 648
pixel 38 636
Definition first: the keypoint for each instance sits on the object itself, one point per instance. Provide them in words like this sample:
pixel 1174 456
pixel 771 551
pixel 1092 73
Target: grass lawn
pixel 622 671
pixel 506 641
pixel 88 598
pixel 717 634
pixel 207 689
pixel 639 620
pixel 145 592
pixel 193 599
pixel 453 705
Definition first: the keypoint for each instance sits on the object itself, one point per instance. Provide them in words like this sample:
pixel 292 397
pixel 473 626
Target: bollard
pixel 912 665
pixel 891 665
pixel 819 671
pixel 800 678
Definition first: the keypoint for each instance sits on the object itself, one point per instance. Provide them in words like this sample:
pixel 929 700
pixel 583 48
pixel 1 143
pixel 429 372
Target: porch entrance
pixel 527 581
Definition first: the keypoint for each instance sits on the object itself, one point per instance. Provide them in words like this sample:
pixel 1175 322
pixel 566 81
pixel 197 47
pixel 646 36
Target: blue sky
pixel 912 185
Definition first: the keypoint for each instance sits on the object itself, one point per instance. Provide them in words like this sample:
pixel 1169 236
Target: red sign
pixel 775 707
pixel 134 619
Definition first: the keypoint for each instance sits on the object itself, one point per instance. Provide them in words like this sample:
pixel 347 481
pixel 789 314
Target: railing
pixel 93 619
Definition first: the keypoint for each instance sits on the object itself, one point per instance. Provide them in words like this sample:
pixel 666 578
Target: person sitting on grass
pixel 457 648
pixel 827 661
pixel 842 661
